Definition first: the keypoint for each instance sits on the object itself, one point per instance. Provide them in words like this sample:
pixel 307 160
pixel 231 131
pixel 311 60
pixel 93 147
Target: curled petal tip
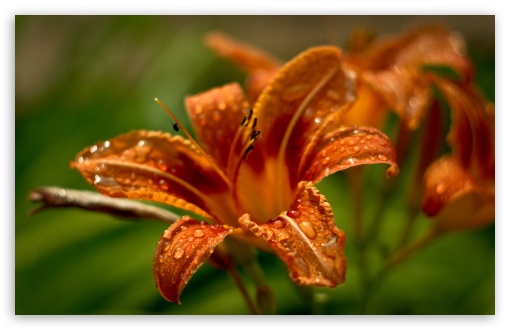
pixel 392 171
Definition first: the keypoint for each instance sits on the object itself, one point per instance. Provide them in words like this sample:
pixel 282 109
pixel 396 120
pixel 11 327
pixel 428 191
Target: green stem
pixel 244 291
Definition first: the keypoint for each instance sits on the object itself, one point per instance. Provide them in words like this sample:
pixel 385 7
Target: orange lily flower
pixel 394 72
pixel 252 181
pixel 391 72
pixel 459 188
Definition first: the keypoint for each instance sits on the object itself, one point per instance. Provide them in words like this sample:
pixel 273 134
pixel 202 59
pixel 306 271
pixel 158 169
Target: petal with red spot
pixel 306 239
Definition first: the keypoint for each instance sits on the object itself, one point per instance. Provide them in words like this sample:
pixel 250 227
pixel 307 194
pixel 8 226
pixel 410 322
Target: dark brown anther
pixel 255 135
pixel 250 114
pixel 243 121
pixel 250 148
pixel 254 123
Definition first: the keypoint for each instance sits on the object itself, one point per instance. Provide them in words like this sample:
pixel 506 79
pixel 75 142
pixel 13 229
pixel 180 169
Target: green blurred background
pixel 82 79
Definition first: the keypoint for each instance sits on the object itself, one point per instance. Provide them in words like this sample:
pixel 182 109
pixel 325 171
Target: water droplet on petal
pixel 382 157
pixel 178 253
pixel 282 236
pixel 356 149
pixel 93 149
pixel 141 143
pixel 198 233
pixel 440 188
pixel 163 184
pixel 162 165
pixel 317 120
pixel 278 223
pixel 293 213
pixel 308 229
pixel 295 92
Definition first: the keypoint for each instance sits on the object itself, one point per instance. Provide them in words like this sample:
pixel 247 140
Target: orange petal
pixel 393 68
pixel 155 166
pixel 350 146
pixel 248 57
pixel 306 239
pixel 471 134
pixel 260 66
pixel 216 115
pixel 182 249
pixel 452 196
pixel 289 111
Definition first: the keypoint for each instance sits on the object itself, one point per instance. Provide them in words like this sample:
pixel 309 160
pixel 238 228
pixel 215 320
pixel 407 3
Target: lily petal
pixel 306 90
pixel 182 249
pixel 453 197
pixel 350 146
pixel 216 115
pixel 393 67
pixel 154 166
pixel 306 239
pixel 472 134
pixel 260 65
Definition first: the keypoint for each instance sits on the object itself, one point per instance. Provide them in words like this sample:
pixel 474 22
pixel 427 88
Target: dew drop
pixel 93 149
pixel 106 144
pixel 282 236
pixel 356 148
pixel 278 223
pixel 163 184
pixel 141 143
pixel 333 95
pixel 295 92
pixel 162 165
pixel 382 157
pixel 308 229
pixel 293 213
pixel 198 233
pixel 326 171
pixel 352 142
pixel 80 159
pixel 325 161
pixel 222 105
pixel 198 109
pixel 178 253
pixel 97 179
pixel 440 188
pixel 190 239
pixel 317 120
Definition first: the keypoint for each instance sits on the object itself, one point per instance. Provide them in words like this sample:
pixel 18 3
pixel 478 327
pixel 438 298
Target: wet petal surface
pixel 182 249
pixel 306 239
pixel 154 166
pixel 350 146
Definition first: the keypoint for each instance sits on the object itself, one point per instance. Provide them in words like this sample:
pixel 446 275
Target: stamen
pixel 250 148
pixel 178 125
pixel 239 134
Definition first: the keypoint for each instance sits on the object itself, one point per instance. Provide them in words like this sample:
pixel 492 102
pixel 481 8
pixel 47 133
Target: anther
pixel 250 148
pixel 254 123
pixel 255 135
pixel 243 121
pixel 250 114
